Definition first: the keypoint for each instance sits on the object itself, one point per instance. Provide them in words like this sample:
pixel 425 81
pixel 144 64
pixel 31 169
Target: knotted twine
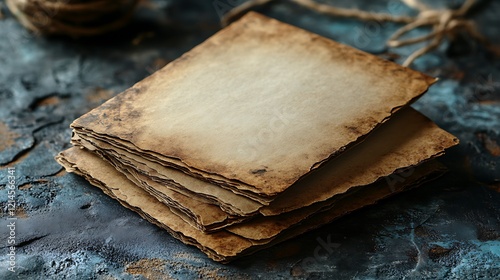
pixel 76 18
pixel 444 22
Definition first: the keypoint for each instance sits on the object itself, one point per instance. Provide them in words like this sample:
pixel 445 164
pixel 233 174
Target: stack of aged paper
pixel 261 133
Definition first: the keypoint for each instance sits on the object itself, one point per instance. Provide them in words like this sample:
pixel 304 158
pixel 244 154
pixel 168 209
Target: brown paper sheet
pixel 405 140
pixel 266 227
pixel 257 106
pixel 222 245
pixel 173 179
pixel 202 215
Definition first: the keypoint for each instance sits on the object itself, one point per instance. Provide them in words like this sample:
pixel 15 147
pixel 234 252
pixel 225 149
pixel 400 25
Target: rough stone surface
pixel 67 229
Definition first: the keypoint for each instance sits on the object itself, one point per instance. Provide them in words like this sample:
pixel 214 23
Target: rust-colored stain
pixel 437 252
pixel 21 213
pixel 489 102
pixel 42 181
pixel 8 138
pixel 60 173
pixel 149 268
pixel 491 145
pixel 51 100
pixel 99 95
pixel 25 186
pixel 495 186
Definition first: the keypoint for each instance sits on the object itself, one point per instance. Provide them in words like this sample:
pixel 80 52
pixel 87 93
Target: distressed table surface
pixel 67 229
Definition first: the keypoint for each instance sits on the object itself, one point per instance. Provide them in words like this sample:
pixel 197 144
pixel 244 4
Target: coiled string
pixel 76 18
pixel 444 23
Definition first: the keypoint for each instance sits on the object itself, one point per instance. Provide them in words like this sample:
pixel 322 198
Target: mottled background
pixel 67 229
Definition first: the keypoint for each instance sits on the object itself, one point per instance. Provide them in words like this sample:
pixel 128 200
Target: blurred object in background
pixel 75 18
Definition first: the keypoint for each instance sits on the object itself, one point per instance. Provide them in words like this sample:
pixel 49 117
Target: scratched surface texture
pixel 67 229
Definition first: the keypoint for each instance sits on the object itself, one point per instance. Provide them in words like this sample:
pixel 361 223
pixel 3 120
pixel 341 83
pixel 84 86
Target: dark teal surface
pixel 68 229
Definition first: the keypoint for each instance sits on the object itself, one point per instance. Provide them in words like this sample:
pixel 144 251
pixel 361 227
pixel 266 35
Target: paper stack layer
pixel 260 133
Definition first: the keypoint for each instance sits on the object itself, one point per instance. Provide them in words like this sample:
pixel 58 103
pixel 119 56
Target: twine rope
pixel 76 18
pixel 444 22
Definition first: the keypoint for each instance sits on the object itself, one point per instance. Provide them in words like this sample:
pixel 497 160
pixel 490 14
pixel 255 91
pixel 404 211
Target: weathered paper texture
pixel 262 132
pixel 222 245
pixel 257 106
pixel 175 180
pixel 405 140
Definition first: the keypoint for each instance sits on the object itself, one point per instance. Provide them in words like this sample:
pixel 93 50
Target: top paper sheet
pixel 260 103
